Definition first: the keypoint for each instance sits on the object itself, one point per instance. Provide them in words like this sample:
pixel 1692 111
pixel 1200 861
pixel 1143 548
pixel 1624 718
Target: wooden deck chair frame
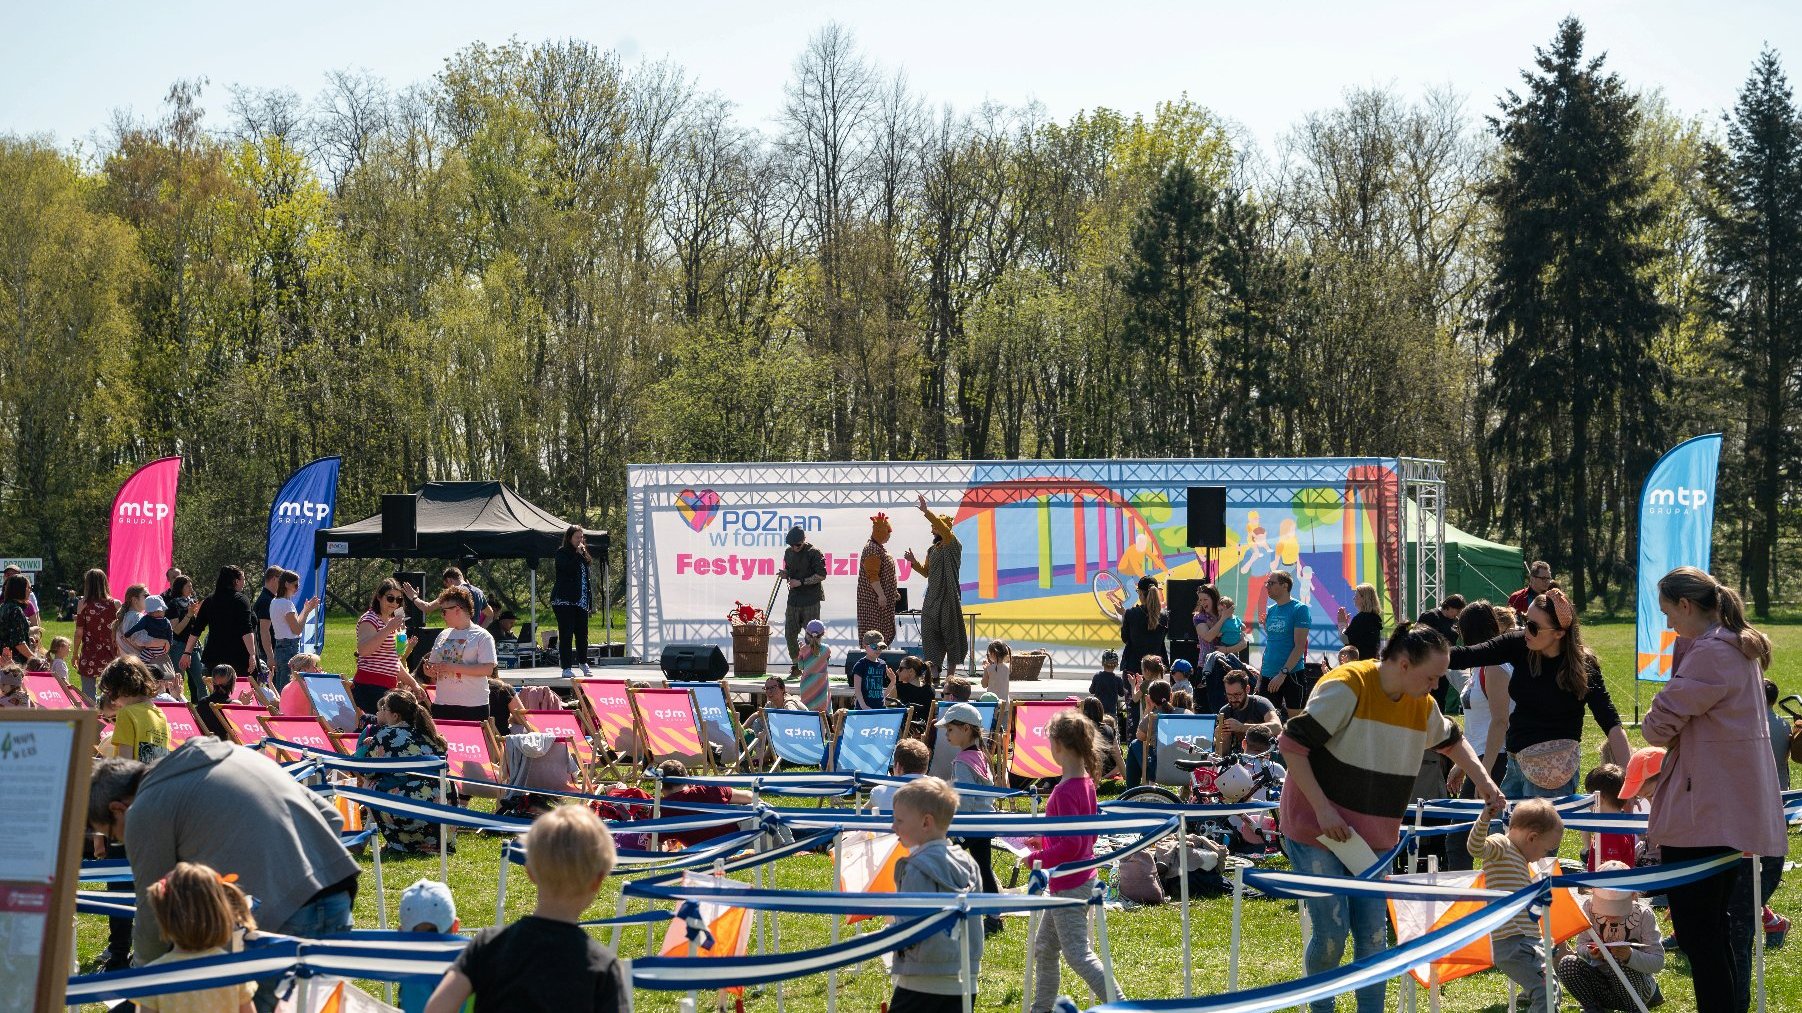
pixel 834 756
pixel 283 755
pixel 598 737
pixel 199 728
pixel 496 754
pixel 583 747
pixel 697 764
pixel 313 704
pixel 825 740
pixel 735 730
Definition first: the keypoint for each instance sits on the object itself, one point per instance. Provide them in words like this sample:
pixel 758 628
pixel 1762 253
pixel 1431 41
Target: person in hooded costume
pixel 876 588
pixel 942 612
pixel 805 569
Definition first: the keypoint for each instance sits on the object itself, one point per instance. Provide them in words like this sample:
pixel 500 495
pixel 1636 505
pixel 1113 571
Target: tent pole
pixel 606 606
pixel 533 569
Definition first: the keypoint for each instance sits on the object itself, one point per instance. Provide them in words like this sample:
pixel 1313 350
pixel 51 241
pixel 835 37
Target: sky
pixel 68 65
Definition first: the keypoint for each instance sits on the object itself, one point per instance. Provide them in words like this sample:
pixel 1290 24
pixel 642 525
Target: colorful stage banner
pixel 1676 526
pixel 141 547
pixel 304 505
pixel 1052 550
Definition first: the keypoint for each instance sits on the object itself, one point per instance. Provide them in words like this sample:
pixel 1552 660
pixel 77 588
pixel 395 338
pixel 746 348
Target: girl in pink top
pixel 1066 929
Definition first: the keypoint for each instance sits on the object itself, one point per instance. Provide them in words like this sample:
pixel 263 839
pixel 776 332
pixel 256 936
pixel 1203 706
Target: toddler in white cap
pixel 425 907
pixel 1626 926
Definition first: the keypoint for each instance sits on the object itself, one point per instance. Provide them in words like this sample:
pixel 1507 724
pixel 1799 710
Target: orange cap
pixel 1646 763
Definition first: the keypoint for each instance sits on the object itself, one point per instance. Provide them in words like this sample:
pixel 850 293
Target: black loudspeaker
pixel 415 578
pixel 1207 517
pixel 400 522
pixel 693 662
pixel 1180 596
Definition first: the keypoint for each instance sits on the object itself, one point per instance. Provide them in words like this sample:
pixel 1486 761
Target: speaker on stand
pixel 400 522
pixel 1207 522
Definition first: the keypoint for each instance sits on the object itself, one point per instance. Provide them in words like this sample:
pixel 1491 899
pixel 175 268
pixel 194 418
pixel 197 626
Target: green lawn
pixel 1146 942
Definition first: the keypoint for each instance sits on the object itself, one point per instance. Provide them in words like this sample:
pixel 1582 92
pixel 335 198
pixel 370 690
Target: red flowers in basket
pixel 746 615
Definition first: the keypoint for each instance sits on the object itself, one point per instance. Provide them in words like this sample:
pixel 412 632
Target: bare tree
pixel 350 114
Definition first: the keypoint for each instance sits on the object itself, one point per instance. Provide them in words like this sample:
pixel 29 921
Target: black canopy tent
pixel 464 520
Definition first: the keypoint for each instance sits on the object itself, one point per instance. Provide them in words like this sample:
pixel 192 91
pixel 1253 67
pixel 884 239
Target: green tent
pixel 1476 567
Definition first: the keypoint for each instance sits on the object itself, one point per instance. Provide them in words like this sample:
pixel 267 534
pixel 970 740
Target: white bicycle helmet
pixel 1234 784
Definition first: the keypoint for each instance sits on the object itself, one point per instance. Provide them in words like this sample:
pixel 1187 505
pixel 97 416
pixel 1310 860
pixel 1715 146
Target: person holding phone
pixel 378 664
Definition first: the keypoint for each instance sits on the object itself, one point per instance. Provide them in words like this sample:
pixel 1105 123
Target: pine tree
pixel 1755 237
pixel 1167 284
pixel 1570 300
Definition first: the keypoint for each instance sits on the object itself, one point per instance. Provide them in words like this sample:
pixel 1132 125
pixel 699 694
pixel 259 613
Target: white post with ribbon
pixel 965 980
pixel 1757 930
pixel 838 879
pixel 1232 958
pixel 444 836
pixel 1032 925
pixel 1182 859
pixel 1098 897
pixel 500 895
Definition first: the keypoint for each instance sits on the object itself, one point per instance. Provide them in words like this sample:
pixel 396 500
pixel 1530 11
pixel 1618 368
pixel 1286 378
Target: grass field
pixel 1146 942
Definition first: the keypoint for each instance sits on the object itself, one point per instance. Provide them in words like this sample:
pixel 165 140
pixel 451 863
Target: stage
pixel 750 691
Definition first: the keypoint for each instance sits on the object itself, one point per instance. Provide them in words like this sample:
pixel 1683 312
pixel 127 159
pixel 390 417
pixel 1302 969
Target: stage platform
pixel 750 691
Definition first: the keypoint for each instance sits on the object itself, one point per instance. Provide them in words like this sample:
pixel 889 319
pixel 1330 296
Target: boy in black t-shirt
pixel 546 960
pixel 1108 686
pixel 870 675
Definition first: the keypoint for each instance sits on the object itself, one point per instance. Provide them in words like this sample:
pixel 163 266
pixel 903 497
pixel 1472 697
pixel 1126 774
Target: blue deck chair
pixel 1174 731
pixel 719 722
pixel 944 755
pixel 798 738
pixel 866 740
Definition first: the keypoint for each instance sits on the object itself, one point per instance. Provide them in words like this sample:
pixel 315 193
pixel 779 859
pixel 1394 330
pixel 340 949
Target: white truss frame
pixel 879 483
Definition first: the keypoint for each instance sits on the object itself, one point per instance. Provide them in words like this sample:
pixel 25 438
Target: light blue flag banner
pixel 1676 524
pixel 304 505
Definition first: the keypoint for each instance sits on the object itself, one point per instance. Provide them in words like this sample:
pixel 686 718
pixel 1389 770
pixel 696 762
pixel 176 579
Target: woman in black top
pixel 1555 678
pixel 1144 628
pixel 1364 631
pixel 15 628
pixel 572 599
pixel 180 605
pixel 229 624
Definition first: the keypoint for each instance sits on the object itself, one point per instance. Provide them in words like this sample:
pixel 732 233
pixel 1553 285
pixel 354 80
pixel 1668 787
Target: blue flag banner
pixel 304 505
pixel 1676 523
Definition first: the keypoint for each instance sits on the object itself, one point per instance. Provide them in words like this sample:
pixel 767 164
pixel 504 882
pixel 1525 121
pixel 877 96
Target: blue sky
pixel 67 65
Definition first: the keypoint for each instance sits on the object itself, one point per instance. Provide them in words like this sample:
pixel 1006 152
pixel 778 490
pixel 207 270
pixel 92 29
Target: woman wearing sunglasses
pixel 378 666
pixel 1554 679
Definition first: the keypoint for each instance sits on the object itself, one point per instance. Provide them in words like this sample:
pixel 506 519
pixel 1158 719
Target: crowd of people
pixel 1358 740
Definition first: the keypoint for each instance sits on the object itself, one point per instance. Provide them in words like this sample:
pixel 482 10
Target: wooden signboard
pixel 46 756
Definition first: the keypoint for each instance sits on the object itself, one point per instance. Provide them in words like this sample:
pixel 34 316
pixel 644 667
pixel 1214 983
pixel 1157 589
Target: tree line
pixel 542 264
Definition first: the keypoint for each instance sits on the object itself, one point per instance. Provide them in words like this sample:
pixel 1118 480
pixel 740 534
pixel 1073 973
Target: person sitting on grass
pixel 546 960
pixel 1626 925
pixel 709 794
pixel 404 728
pixel 911 757
pixel 426 907
pixel 927 975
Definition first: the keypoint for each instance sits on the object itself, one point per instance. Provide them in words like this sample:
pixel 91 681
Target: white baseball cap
pixel 154 603
pixel 427 902
pixel 964 713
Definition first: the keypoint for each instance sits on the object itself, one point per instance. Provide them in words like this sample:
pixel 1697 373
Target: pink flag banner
pixel 142 544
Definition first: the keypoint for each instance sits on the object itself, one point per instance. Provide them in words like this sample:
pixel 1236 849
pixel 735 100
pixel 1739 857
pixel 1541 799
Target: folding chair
pixel 944 754
pixel 798 738
pixel 329 696
pixel 668 723
pixel 719 721
pixel 302 731
pixel 183 725
pixel 566 724
pixel 53 693
pixel 240 720
pixel 609 707
pixel 866 741
pixel 530 769
pixel 1173 732
pixel 473 753
pixel 1029 747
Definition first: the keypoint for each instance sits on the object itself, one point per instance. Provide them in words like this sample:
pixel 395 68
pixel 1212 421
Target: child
pixel 12 687
pixel 1640 781
pixel 871 677
pixel 1107 741
pixel 130 611
pixel 222 680
pixel 1605 782
pixel 926 974
pixel 140 731
pixel 59 659
pixel 816 691
pixel 294 692
pixel 1180 670
pixel 961 724
pixel 1348 654
pixel 997 672
pixel 1182 702
pixel 151 637
pixel 1534 831
pixel 428 907
pixel 404 728
pixel 1619 920
pixel 1066 929
pixel 546 960
pixel 1776 926
pixel 1107 685
pixel 199 913
pixel 911 757
pixel 912 688
pixel 1232 629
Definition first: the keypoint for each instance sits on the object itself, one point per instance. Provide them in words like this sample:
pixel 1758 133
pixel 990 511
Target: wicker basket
pixel 1027 665
pixel 750 649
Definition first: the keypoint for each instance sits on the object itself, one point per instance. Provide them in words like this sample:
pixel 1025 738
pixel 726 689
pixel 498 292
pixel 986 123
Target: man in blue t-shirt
pixel 870 675
pixel 1285 642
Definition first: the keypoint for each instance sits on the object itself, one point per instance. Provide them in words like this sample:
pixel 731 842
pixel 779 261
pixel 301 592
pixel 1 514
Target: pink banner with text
pixel 142 545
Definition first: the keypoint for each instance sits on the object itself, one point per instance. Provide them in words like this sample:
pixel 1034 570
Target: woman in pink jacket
pixel 1719 790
